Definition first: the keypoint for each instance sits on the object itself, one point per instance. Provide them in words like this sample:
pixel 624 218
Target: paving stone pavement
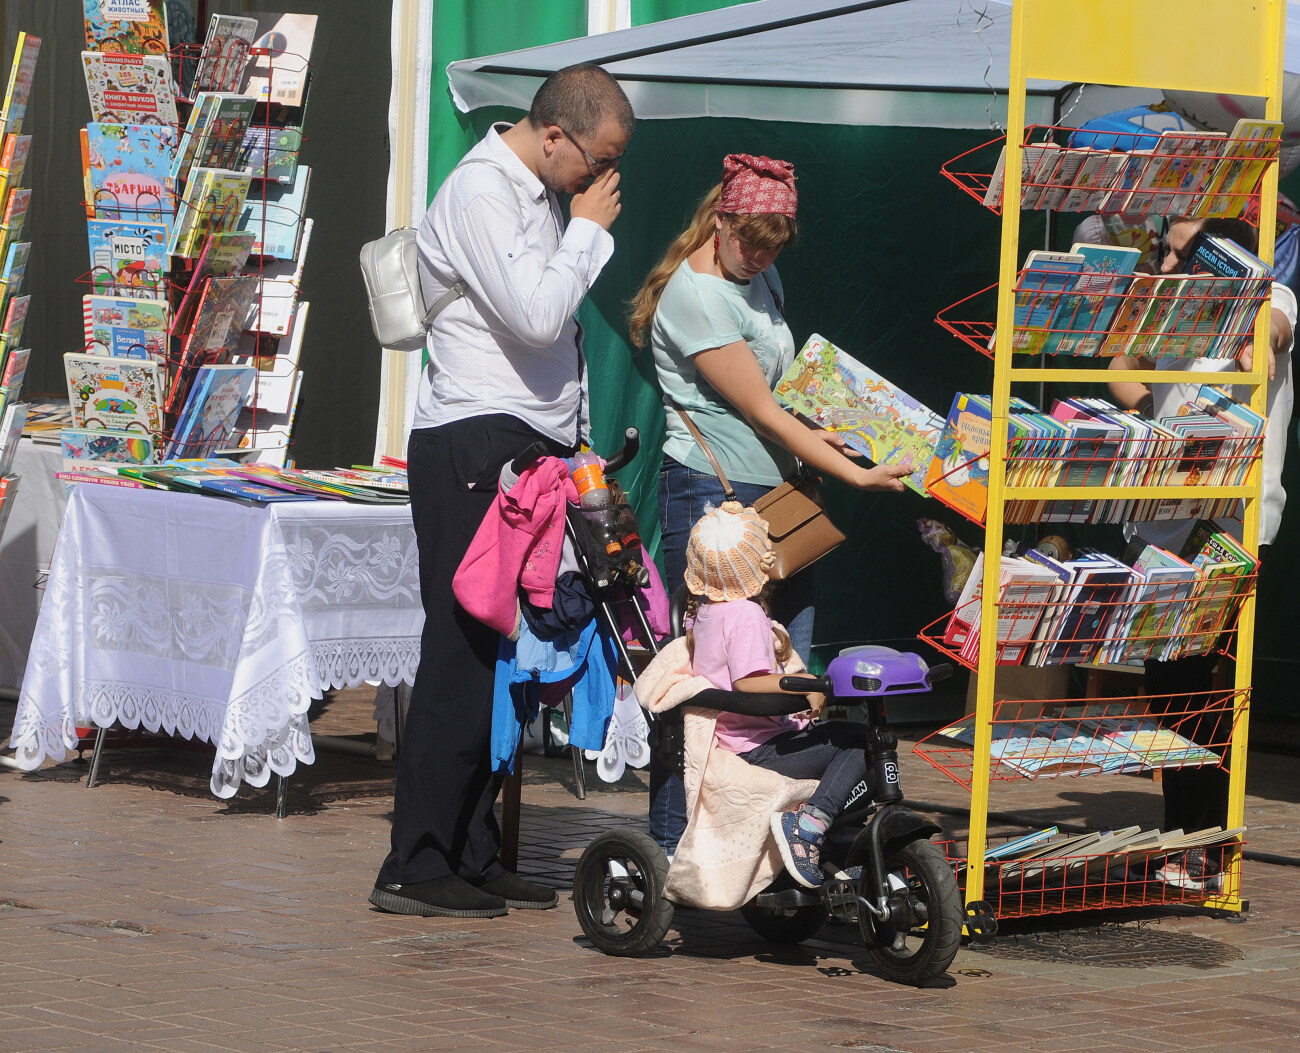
pixel 144 914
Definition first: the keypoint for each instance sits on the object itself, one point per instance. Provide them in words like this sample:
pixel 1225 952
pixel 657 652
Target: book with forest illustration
pixel 830 388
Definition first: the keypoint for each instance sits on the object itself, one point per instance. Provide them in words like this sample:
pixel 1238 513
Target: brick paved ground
pixel 146 915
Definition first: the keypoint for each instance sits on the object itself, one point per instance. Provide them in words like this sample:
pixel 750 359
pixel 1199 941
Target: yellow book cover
pixel 19 88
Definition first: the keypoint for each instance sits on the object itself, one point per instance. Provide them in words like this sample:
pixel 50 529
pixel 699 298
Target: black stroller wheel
pixel 792 925
pixel 618 893
pixel 921 945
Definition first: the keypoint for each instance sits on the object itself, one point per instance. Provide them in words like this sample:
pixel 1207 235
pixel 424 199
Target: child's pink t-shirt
pixel 733 640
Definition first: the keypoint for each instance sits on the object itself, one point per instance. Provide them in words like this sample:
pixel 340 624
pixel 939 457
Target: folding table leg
pixel 95 754
pixel 579 773
pixel 281 796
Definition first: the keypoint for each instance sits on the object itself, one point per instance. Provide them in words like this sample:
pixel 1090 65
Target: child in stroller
pixel 732 642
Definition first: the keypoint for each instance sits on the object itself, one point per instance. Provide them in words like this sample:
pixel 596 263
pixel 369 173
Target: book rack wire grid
pixel 1084 880
pixel 1105 624
pixel 1050 739
pixel 189 269
pixel 1239 53
pixel 1173 317
pixel 1064 169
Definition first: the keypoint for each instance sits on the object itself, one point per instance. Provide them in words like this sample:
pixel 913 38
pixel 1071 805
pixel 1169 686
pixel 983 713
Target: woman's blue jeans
pixel 683 494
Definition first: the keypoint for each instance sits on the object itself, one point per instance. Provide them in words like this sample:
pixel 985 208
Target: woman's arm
pixel 735 374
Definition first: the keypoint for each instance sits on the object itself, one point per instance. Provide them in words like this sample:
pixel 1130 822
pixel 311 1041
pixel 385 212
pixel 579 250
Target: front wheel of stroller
pixel 618 893
pixel 920 941
pixel 792 925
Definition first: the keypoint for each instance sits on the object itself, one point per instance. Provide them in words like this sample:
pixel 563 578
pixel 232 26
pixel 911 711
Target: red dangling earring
pixel 715 248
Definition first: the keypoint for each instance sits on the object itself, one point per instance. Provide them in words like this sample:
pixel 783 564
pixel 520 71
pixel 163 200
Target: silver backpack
pixel 399 315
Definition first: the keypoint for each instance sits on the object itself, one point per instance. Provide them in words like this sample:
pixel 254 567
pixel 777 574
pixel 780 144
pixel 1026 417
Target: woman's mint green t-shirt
pixel 701 311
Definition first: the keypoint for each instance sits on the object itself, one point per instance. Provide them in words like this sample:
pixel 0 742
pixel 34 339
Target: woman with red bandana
pixel 711 311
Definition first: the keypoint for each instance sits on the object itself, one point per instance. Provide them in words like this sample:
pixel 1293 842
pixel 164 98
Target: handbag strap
pixel 727 491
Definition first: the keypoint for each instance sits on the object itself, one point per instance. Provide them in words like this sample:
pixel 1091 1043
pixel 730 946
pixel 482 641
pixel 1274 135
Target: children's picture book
pixel 207 422
pixel 129 168
pixel 11 430
pixel 129 89
pixel 136 27
pixel 213 203
pixel 15 318
pixel 225 53
pixel 8 493
pixel 13 371
pixel 278 294
pixel 277 375
pixel 15 266
pixel 114 394
pixel 1040 288
pixel 128 258
pixel 270 153
pixel 19 88
pixel 830 388
pixel 1251 144
pixel 280 75
pixel 82 446
pixel 222 316
pixel 214 134
pixel 275 217
pixel 958 474
pixel 15 215
pixel 125 327
pixel 13 158
pixel 223 253
pixel 1084 315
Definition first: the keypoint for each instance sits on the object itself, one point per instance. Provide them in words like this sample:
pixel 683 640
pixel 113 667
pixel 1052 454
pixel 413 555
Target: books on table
pixel 831 389
pixel 86 447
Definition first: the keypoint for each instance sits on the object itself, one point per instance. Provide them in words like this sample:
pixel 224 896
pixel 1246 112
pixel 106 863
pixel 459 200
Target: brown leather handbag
pixel 797 523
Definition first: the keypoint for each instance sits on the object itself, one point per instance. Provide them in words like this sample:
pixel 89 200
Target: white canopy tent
pixel 913 63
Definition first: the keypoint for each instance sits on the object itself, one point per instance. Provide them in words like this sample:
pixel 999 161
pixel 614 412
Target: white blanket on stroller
pixel 726 856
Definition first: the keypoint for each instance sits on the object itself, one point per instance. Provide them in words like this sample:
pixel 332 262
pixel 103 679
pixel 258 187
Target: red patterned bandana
pixel 753 186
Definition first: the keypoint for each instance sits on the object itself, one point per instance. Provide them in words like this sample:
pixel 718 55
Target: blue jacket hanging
pixel 582 661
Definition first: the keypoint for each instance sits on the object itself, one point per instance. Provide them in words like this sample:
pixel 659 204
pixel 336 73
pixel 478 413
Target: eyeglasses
pixel 593 166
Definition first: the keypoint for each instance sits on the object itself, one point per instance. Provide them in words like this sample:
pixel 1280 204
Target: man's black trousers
pixel 442 808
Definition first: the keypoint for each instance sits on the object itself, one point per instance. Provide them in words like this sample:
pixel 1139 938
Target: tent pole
pixel 406 23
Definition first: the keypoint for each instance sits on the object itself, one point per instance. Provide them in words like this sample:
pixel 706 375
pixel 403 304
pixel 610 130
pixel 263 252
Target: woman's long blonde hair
pixel 766 230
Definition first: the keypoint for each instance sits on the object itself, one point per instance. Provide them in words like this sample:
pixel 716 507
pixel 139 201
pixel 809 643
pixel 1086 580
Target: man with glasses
pixel 505 370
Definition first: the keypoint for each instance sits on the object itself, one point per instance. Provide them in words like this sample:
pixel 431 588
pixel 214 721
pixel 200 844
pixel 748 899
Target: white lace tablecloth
pixel 216 620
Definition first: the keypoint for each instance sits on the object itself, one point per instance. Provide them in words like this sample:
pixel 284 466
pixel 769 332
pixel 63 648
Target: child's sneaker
pixel 800 855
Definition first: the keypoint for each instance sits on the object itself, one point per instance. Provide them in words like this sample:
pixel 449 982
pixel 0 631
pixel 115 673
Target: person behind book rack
pixel 711 311
pixel 505 370
pixel 1196 798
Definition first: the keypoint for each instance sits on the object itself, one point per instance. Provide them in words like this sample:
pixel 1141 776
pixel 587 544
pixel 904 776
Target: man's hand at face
pixel 599 202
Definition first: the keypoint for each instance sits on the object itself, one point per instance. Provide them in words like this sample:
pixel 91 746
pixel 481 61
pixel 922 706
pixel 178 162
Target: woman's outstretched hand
pixel 882 477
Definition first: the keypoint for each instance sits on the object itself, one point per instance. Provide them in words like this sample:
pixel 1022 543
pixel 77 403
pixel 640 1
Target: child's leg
pixel 831 752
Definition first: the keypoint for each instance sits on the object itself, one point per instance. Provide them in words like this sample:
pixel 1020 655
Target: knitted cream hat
pixel 728 554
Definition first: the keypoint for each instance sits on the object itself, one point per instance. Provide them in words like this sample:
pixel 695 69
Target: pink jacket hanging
pixel 518 544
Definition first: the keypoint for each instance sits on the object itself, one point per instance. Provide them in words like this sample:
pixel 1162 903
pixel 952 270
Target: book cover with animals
pixel 128 168
pixel 833 390
pixel 135 27
pixel 114 394
pixel 128 258
pixel 81 446
pixel 129 89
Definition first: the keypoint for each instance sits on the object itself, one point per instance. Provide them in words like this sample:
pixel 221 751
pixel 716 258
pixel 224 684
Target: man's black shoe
pixel 444 897
pixel 521 894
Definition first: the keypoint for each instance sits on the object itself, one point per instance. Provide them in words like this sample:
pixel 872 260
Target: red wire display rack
pixel 1084 314
pixel 1109 624
pixel 1078 881
pixel 1054 738
pixel 1194 174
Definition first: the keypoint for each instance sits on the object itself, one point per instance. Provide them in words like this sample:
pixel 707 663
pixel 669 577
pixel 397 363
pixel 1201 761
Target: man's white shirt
pixel 511 344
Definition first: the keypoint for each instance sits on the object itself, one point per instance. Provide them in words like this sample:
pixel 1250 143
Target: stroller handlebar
pixel 631 444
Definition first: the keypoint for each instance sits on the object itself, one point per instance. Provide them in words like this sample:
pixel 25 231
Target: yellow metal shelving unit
pixel 1225 46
